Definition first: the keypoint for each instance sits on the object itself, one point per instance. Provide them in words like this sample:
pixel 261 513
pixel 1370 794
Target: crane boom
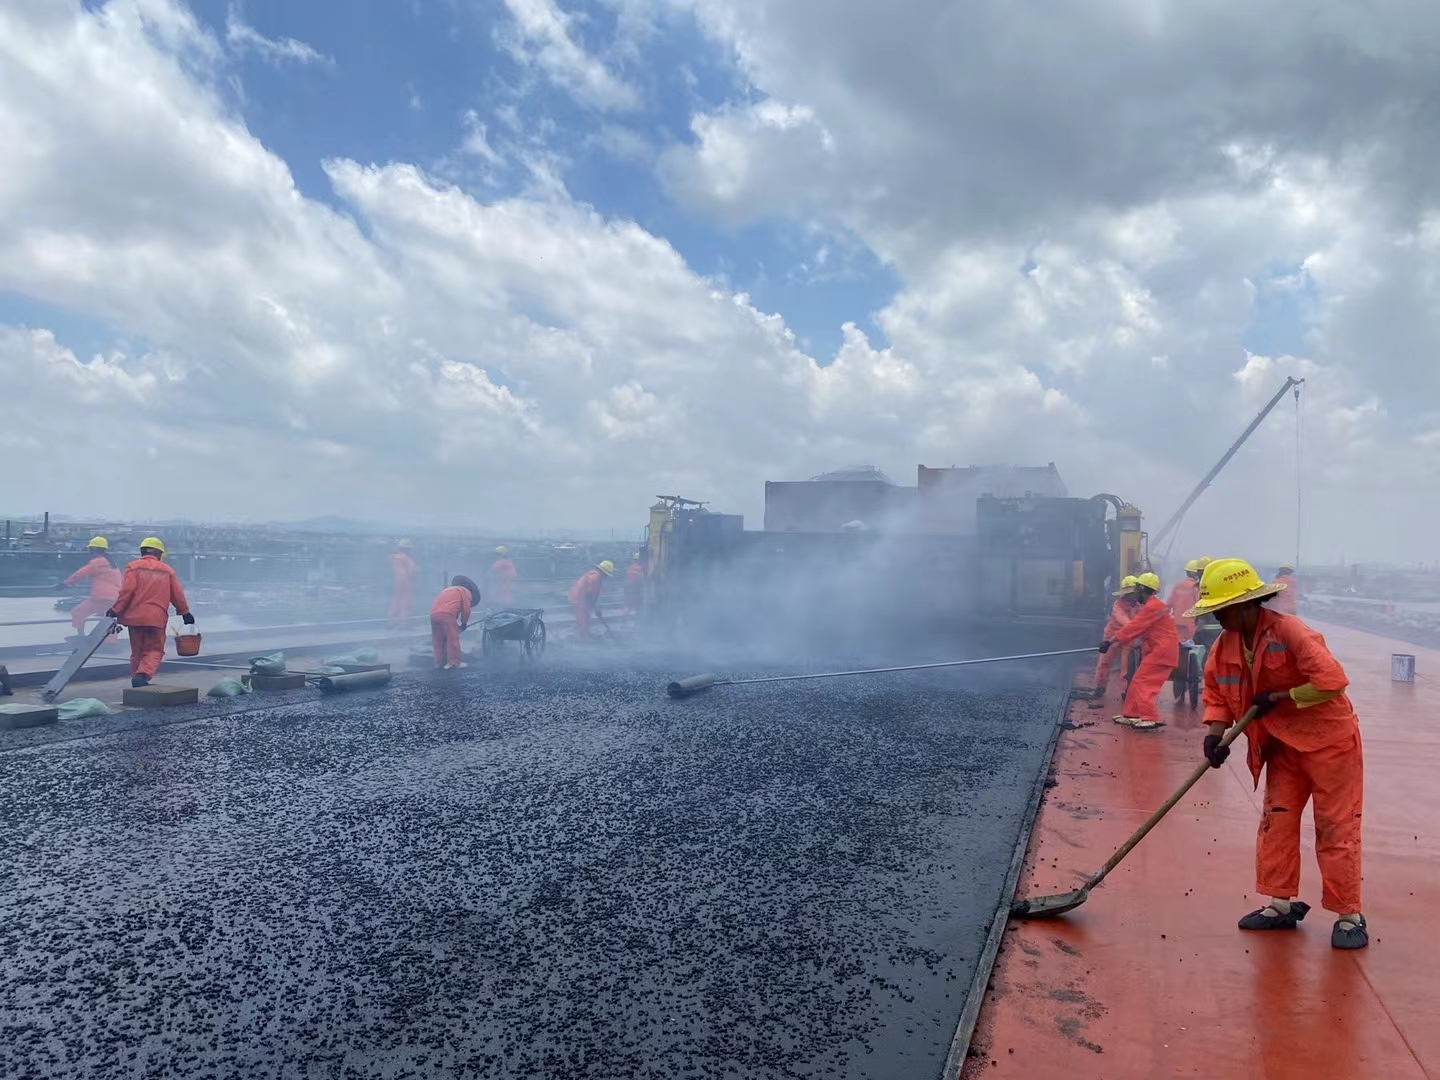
pixel 1166 529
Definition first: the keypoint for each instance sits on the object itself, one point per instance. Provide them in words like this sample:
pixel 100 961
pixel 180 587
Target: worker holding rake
pixel 1305 737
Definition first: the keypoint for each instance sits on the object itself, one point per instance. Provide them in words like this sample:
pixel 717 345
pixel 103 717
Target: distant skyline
pixel 534 261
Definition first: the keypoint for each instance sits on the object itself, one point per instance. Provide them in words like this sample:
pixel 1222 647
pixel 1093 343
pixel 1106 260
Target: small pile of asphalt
pixel 536 873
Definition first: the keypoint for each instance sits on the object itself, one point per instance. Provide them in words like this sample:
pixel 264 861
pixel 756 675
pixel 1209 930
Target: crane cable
pixel 1299 458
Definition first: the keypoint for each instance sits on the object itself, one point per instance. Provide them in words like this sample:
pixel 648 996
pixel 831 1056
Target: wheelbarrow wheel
pixel 535 643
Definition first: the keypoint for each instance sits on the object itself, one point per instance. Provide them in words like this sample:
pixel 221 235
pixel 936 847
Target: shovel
pixel 1044 907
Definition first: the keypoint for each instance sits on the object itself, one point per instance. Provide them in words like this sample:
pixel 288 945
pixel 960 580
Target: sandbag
pixel 228 687
pixel 271 664
pixel 77 708
pixel 355 659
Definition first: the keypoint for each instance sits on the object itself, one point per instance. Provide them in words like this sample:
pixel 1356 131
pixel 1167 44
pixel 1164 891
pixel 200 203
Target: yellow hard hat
pixel 502 550
pixel 1230 581
pixel 402 543
pixel 606 567
pixel 1126 584
pixel 153 542
pixel 1286 568
pixel 99 542
pixel 1150 581
pixel 1194 566
pixel 1204 561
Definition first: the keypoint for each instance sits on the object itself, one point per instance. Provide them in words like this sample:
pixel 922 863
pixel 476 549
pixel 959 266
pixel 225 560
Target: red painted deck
pixel 1151 978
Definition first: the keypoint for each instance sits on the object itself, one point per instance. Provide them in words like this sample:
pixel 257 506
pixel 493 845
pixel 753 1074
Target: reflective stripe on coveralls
pixel 1306 752
pixel 1154 629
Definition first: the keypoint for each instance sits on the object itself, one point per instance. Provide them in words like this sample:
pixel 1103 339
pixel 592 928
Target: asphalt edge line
pixel 975 999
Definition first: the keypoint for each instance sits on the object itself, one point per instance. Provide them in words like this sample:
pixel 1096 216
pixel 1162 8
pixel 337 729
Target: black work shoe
pixel 1348 935
pixel 138 681
pixel 1258 920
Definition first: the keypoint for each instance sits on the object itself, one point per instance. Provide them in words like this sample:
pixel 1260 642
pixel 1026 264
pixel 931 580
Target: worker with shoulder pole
pixel 1305 737
pixel 1120 613
pixel 584 595
pixel 104 581
pixel 1154 630
pixel 450 617
pixel 149 589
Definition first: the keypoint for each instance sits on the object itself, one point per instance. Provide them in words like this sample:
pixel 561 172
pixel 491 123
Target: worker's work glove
pixel 1105 646
pixel 188 619
pixel 464 626
pixel 1264 703
pixel 111 613
pixel 1214 752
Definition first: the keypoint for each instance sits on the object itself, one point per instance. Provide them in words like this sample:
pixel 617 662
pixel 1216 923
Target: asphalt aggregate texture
pixel 548 872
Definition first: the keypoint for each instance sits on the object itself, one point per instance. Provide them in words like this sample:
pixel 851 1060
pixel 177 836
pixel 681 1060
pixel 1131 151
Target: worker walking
pixel 1182 598
pixel 1306 738
pixel 502 578
pixel 584 595
pixel 104 581
pixel 1286 602
pixel 402 593
pixel 149 589
pixel 634 585
pixel 1120 613
pixel 449 618
pixel 1153 628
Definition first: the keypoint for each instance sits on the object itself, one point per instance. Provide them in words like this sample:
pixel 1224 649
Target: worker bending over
pixel 147 592
pixel 1182 598
pixel 1306 737
pixel 402 593
pixel 584 595
pixel 104 581
pixel 502 578
pixel 634 585
pixel 1120 612
pixel 449 618
pixel 1286 602
pixel 1154 630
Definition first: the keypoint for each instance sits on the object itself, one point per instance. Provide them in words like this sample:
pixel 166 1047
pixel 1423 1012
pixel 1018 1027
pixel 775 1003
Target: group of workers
pixel 451 611
pixel 139 598
pixel 1269 665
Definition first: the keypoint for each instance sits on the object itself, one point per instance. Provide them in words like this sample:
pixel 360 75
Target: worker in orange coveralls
pixel 502 578
pixel 1286 602
pixel 449 617
pixel 402 596
pixel 1120 612
pixel 1154 629
pixel 1306 737
pixel 147 592
pixel 104 581
pixel 584 595
pixel 634 585
pixel 1182 598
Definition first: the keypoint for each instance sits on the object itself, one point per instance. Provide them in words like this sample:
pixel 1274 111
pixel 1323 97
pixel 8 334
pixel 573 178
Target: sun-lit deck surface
pixel 1151 978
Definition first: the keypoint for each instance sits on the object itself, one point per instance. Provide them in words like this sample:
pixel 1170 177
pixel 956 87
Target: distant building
pixel 862 496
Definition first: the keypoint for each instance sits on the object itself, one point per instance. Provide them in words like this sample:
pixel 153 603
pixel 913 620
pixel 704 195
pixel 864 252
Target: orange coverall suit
pixel 448 614
pixel 147 592
pixel 403 596
pixel 104 588
pixel 1183 597
pixel 502 582
pixel 1154 629
pixel 634 583
pixel 1284 602
pixel 1305 751
pixel 585 597
pixel 1120 613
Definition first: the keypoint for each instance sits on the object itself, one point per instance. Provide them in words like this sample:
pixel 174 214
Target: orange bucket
pixel 188 644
